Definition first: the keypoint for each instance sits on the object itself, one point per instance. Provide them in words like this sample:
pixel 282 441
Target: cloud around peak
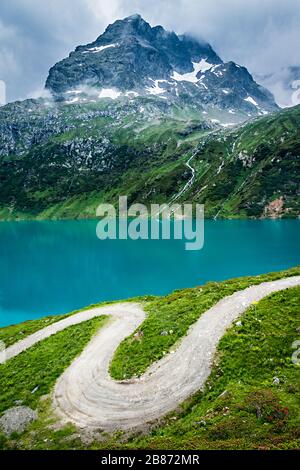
pixel 262 35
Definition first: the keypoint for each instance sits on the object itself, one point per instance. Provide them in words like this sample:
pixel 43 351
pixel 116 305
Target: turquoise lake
pixel 57 267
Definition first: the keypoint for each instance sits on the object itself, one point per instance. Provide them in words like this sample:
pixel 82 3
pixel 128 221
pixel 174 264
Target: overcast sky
pixel 35 34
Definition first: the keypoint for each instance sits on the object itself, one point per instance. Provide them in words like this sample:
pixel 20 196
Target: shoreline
pixel 282 274
pixel 94 218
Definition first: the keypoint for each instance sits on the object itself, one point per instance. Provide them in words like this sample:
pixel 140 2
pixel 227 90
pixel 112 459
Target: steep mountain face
pixel 133 59
pixel 126 56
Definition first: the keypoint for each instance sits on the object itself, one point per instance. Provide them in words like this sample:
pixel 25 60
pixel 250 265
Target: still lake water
pixel 57 267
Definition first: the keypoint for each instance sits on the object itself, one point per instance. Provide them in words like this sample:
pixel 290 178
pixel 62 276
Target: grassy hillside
pixel 14 333
pixel 39 367
pixel 255 170
pixel 174 314
pixel 62 163
pixel 242 406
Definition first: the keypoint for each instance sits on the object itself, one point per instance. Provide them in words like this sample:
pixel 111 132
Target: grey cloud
pixel 35 34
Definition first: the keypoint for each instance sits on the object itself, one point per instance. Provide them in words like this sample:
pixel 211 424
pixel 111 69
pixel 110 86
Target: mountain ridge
pixel 131 57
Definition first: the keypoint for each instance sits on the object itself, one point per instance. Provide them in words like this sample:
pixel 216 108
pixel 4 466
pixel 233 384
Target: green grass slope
pixel 64 163
pixel 241 407
pixel 174 314
pixel 33 373
pixel 14 333
pixel 255 169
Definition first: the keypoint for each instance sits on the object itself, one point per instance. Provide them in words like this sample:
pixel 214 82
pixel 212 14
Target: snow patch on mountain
pixel 73 92
pixel 109 93
pixel 216 72
pixel 192 77
pixel 156 90
pixel 95 50
pixel 72 101
pixel 251 100
pixel 229 124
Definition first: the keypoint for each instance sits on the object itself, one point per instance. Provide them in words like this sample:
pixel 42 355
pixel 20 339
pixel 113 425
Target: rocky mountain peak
pixel 132 58
pixel 132 25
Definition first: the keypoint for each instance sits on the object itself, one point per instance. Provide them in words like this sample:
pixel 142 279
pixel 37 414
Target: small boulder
pixel 276 381
pixel 17 419
pixel 138 336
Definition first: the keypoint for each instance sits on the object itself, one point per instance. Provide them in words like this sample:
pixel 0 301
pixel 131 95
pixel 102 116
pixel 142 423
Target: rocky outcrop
pixel 17 419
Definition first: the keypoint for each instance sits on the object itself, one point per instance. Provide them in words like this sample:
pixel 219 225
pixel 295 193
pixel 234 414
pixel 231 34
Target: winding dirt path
pixel 87 396
pixel 133 312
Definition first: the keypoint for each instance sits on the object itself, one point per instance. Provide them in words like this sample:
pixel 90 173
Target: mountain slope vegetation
pixel 250 400
pixel 63 161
